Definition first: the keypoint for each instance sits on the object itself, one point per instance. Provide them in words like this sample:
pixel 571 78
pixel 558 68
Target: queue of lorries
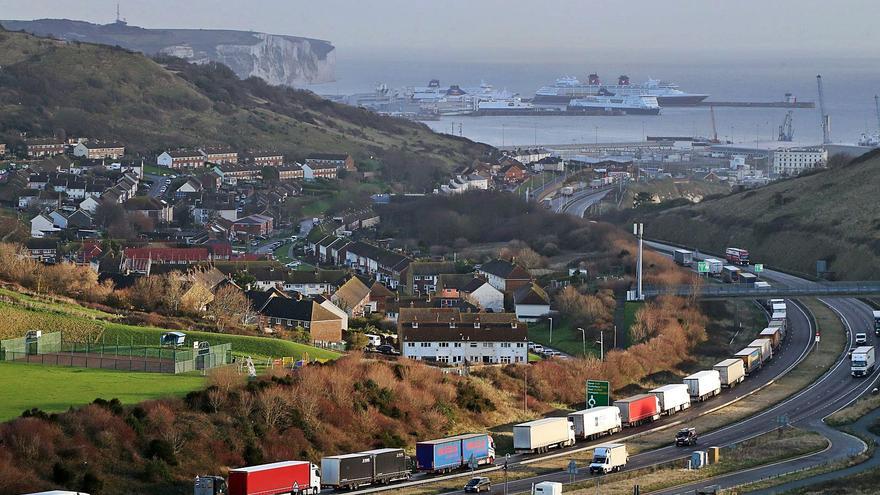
pixel 381 466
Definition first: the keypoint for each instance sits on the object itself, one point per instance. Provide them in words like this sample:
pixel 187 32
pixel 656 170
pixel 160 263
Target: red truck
pixel 277 478
pixel 638 409
pixel 736 256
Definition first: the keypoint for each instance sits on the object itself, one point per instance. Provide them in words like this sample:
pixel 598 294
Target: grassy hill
pixel 104 92
pixel 669 189
pixel 831 214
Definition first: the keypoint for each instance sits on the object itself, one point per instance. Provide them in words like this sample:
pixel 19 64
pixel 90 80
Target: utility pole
pixel 601 343
pixel 638 231
pixel 551 329
pixel 584 337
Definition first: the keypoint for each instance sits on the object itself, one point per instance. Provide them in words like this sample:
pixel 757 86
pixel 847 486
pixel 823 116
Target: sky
pixel 512 30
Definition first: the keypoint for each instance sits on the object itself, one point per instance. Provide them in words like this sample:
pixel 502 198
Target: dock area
pixel 759 104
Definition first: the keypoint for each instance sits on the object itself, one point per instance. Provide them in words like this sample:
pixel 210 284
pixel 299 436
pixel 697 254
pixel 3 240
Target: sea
pixel 849 87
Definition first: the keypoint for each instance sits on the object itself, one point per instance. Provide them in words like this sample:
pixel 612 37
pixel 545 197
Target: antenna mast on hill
pixel 119 19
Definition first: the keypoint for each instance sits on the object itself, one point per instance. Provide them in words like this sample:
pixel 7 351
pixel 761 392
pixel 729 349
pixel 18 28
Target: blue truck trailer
pixel 448 454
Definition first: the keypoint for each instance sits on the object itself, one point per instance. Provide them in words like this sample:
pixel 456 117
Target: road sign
pixel 472 462
pixel 598 393
pixel 759 267
pixel 702 267
pixel 572 467
pixel 817 337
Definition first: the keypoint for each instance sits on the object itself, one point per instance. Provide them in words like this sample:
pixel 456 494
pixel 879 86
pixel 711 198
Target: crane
pixel 714 129
pixel 786 133
pixel 825 119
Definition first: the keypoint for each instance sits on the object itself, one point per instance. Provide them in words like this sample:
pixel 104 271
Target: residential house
pixel 231 173
pixel 96 150
pixel 44 250
pixel 215 206
pixel 340 161
pixel 353 297
pixel 156 209
pixel 448 336
pixel 253 225
pixel 76 189
pixel 265 158
pixel 312 171
pixel 44 147
pixel 90 204
pixel 323 325
pixel 168 255
pixel 473 289
pixel 219 154
pixel 191 187
pixel 422 276
pixel 290 172
pixel 336 310
pixel 531 303
pixel 38 181
pixel 549 164
pixel 27 198
pixel 41 225
pixel 181 159
pixel 313 283
pixel 385 266
pixel 505 275
pixel 59 219
pixel 80 219
pixel 379 297
pixel 513 173
pixel 351 220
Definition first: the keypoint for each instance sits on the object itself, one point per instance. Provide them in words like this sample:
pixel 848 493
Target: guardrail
pixel 738 290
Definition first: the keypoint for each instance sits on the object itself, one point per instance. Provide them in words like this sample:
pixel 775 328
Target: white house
pixel 445 335
pixel 42 224
pixel 483 294
pixel 531 303
pixel 90 204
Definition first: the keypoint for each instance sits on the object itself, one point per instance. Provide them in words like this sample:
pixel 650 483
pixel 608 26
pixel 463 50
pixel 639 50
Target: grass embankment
pixel 55 389
pixel 826 215
pixel 567 338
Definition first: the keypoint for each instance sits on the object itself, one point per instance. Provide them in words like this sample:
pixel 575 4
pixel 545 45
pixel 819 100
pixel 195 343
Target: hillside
pixel 831 214
pixel 103 92
pixel 693 190
pixel 277 59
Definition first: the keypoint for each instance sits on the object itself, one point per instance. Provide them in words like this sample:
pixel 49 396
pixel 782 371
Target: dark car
pixel 686 437
pixel 387 349
pixel 478 484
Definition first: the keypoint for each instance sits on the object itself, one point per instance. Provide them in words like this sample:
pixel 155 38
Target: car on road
pixel 387 349
pixel 538 349
pixel 686 437
pixel 293 264
pixel 478 484
pixel 861 338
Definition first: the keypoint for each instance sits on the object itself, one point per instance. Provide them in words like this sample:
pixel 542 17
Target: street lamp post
pixel 601 343
pixel 551 329
pixel 584 337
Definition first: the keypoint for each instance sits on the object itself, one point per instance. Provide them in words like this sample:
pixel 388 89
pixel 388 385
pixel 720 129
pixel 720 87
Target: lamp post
pixel 601 343
pixel 551 329
pixel 584 337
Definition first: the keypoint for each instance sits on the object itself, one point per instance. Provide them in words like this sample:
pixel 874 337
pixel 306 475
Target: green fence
pixel 216 355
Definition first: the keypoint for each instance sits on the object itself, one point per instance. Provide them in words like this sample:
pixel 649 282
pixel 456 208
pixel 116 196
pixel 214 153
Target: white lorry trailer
pixel 862 361
pixel 541 435
pixel 595 422
pixel 673 398
pixel 609 458
pixel 731 371
pixel 703 384
pixel 683 257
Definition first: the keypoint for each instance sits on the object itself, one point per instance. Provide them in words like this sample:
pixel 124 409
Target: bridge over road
pixel 726 291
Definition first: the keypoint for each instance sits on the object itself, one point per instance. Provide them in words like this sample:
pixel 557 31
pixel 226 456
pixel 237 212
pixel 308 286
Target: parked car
pixel 387 349
pixel 538 349
pixel 478 484
pixel 686 437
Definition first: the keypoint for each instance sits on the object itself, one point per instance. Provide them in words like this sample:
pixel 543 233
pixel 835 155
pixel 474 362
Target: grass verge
pixel 55 389
pixel 566 337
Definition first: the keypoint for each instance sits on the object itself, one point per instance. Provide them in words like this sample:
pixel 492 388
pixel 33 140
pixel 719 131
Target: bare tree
pixel 229 306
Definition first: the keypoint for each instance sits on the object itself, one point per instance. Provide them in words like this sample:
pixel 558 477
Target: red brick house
pixel 340 161
pixel 513 173
pixel 253 224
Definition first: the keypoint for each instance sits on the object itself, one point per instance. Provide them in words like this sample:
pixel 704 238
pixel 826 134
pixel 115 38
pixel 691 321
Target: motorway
pixel 578 203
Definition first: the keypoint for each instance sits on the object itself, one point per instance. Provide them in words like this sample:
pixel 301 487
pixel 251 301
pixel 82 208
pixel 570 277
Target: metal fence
pixel 217 355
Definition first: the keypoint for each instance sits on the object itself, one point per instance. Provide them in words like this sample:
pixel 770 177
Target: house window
pixel 457 344
pixel 520 344
pixel 505 359
pixel 415 324
pixel 410 344
pixel 488 344
pixel 473 344
pixel 444 344
pixel 476 324
pixel 426 344
pixel 505 344
pixel 442 359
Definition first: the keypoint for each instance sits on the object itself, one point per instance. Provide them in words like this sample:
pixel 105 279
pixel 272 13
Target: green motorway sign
pixel 702 267
pixel 759 267
pixel 598 393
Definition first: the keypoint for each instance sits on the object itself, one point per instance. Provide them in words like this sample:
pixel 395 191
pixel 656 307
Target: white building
pixel 793 161
pixel 448 336
pixel 41 225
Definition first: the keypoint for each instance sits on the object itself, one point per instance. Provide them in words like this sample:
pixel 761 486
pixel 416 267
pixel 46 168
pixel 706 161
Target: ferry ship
pixel 568 88
pixel 629 105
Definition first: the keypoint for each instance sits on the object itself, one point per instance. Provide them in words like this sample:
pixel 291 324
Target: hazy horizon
pixel 563 31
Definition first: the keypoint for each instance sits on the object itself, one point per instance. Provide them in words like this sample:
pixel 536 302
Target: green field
pixel 566 338
pixel 55 389
pixel 242 345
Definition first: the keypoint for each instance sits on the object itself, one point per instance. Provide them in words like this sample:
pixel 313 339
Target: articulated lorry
pixel 773 334
pixel 683 257
pixel 672 398
pixel 448 454
pixel 277 478
pixel 703 384
pixel 877 323
pixel 862 361
pixel 730 371
pixel 765 346
pixel 751 359
pixel 595 422
pixel 371 467
pixel 609 458
pixel 542 435
pixel 638 409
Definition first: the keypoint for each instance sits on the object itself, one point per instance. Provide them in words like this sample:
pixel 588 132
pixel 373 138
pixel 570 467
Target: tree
pixel 270 174
pixel 642 198
pixel 229 306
